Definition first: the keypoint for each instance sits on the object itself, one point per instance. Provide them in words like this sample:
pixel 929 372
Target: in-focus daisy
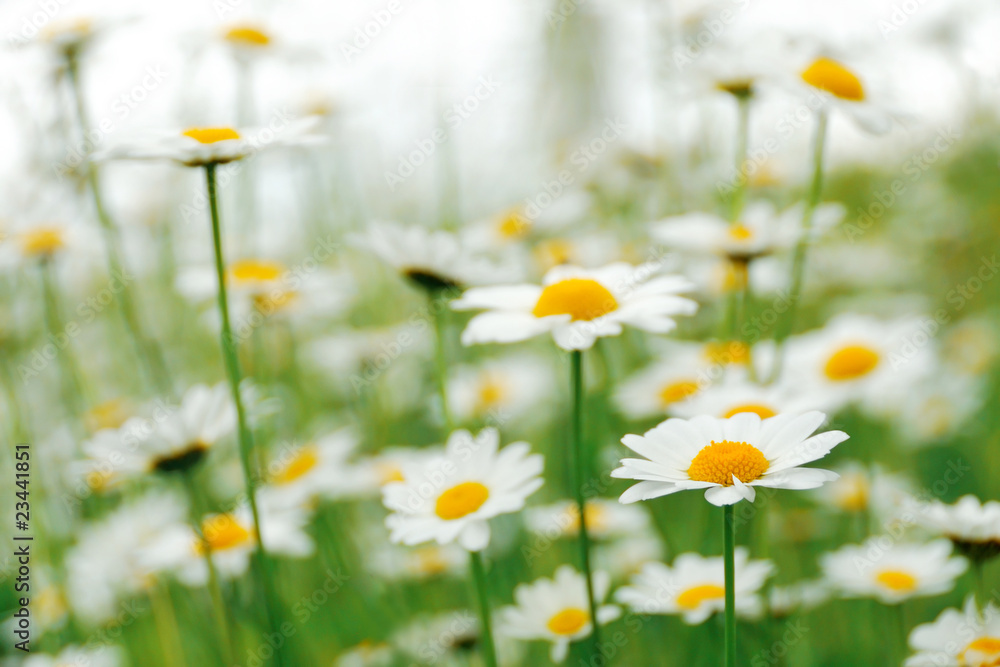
pixel 502 389
pixel 454 496
pixel 577 306
pixel 695 587
pixel 728 457
pixel 958 638
pixel 556 610
pixel 893 573
pixel 972 526
pixel 606 519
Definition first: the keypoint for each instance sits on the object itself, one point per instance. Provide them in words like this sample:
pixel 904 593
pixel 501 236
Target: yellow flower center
pixel 554 252
pixel 597 517
pixel 834 78
pixel 389 472
pixel 678 391
pixel 247 36
pixel 580 298
pixel 514 226
pixel 719 461
pixel 223 532
pixel 98 479
pixel 569 621
pixel 269 303
pixel 304 460
pixel 982 652
pixel 42 241
pixel 897 581
pixel 733 352
pixel 109 414
pixel 211 135
pixel 740 232
pixel 461 500
pixel 692 598
pixel 254 271
pixel 429 560
pixel 853 493
pixel 759 409
pixel 851 362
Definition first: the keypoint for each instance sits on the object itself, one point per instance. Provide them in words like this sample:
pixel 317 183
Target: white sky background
pixel 434 53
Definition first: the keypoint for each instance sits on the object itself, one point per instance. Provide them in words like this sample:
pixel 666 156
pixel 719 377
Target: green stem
pixel 166 625
pixel 479 574
pixel 787 324
pixel 981 596
pixel 441 357
pixel 742 139
pixel 729 535
pixel 579 478
pixel 71 377
pixel 231 358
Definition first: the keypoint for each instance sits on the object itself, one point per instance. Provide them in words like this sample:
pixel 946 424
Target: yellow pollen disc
pixel 554 252
pixel 678 391
pixel 734 352
pixel 834 78
pixel 740 232
pixel 854 497
pixel 693 597
pixel 109 414
pixel 223 531
pixel 98 479
pixel 275 301
pixel 388 472
pixel 982 649
pixel 247 35
pixel 597 517
pixel 580 298
pixel 303 461
pixel 718 462
pixel 43 241
pixel 851 362
pixel 759 409
pixel 253 271
pixel 897 580
pixel 211 135
pixel 491 392
pixel 514 226
pixel 430 561
pixel 568 621
pixel 461 500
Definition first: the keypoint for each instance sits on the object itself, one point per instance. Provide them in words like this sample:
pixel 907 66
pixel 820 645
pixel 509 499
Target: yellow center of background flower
pixel 569 621
pixel 678 391
pixel 491 391
pixel 597 518
pixel 719 461
pixel 43 241
pixel 580 298
pixel 252 271
pixel 223 531
pixel 984 650
pixel 759 409
pixel 430 560
pixel 692 598
pixel 514 226
pixel 248 35
pixel 389 472
pixel 461 500
pixel 852 492
pixel 732 352
pixel 834 78
pixel 211 135
pixel 851 362
pixel 897 580
pixel 304 460
pixel 740 232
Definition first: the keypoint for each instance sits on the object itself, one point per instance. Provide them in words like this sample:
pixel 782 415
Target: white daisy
pixel 893 573
pixel 606 519
pixel 864 487
pixel 938 406
pixel 655 390
pixel 728 457
pixel 299 474
pixel 577 306
pixel 695 587
pixel 453 496
pixel 839 87
pixel 556 610
pixel 973 527
pixel 965 638
pixel 626 556
pixel 510 387
pixel 396 562
pixel 736 394
pixel 801 596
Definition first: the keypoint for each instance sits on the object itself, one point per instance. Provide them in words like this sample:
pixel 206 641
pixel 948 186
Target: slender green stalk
pixel 71 377
pixel 787 324
pixel 742 139
pixel 146 348
pixel 729 537
pixel 231 357
pixel 166 625
pixel 982 596
pixel 441 358
pixel 479 574
pixel 580 471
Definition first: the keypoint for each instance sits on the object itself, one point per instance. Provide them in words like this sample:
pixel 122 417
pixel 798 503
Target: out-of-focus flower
pixel 577 306
pixel 972 526
pixel 320 468
pixel 958 638
pixel 100 656
pixel 453 497
pixel 695 587
pixel 420 562
pixel 863 488
pixel 606 519
pixel 893 574
pixel 728 457
pixel 938 405
pixel 626 556
pixel 801 596
pixel 366 654
pixel 508 388
pixel 556 610
pixel 736 394
pixel 840 88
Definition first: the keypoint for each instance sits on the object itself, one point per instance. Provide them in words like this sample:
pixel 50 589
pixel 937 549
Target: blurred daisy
pixel 894 573
pixel 657 389
pixel 695 587
pixel 736 394
pixel 366 654
pixel 396 562
pixel 972 526
pixel 802 596
pixel 840 88
pixel 577 306
pixel 300 474
pixel 510 387
pixel 103 655
pixel 556 610
pixel 450 639
pixel 863 488
pixel 728 457
pixel 626 556
pixel 939 405
pixel 965 638
pixel 606 519
pixel 454 496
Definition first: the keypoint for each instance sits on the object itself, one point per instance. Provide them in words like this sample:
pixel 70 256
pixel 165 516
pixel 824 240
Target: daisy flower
pixel 626 556
pixel 453 496
pixel 657 389
pixel 606 519
pixel 396 562
pixel 510 387
pixel 577 306
pixel 866 487
pixel 299 474
pixel 939 406
pixel 736 394
pixel 556 610
pixel 801 596
pixel 958 638
pixel 839 87
pixel 972 526
pixel 895 573
pixel 695 587
pixel 728 457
